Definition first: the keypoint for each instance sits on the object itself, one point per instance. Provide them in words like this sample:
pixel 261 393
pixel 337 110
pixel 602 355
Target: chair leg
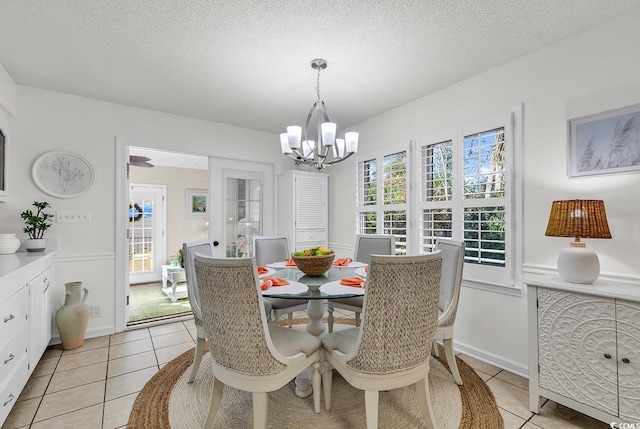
pixel 424 401
pixel 290 319
pixel 451 360
pixel 330 316
pixel 317 385
pixel 260 410
pixel 357 319
pixel 218 387
pixel 327 378
pixel 434 349
pixel 371 408
pixel 197 358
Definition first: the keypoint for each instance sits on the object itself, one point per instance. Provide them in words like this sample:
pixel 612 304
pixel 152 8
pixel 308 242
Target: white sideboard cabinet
pixel 303 208
pixel 26 309
pixel 584 347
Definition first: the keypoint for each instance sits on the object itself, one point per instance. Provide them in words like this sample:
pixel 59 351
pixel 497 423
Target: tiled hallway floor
pixel 95 385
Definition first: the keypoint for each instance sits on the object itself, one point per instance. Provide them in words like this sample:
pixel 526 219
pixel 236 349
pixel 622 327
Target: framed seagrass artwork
pixel 605 143
pixel 196 203
pixel 63 174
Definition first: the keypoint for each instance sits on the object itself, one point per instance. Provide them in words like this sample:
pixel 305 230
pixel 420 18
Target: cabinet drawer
pixel 13 352
pixel 319 235
pixel 10 390
pixel 13 312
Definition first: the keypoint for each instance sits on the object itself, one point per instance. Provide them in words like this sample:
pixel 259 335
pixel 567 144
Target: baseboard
pixel 500 362
pixel 91 333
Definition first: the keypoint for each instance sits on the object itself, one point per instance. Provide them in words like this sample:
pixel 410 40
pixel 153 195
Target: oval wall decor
pixel 63 174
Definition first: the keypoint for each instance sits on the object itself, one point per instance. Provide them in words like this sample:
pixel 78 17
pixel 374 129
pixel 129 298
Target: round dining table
pixel 314 289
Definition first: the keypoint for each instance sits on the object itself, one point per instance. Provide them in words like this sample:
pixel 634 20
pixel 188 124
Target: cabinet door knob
pixel 607 356
pixel 11 317
pixel 625 360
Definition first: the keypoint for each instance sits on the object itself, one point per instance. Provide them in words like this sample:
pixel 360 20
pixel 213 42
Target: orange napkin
pixel 290 263
pixel 342 262
pixel 353 281
pixel 267 282
pixel 262 270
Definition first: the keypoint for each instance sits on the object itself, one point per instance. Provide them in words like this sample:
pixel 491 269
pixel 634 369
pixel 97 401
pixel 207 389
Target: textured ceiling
pixel 246 63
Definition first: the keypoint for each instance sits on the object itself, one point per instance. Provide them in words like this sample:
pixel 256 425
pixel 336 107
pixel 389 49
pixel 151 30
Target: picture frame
pixel 63 174
pixel 196 203
pixel 605 143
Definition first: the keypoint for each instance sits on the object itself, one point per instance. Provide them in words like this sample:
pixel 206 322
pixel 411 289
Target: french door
pixel 245 191
pixel 145 232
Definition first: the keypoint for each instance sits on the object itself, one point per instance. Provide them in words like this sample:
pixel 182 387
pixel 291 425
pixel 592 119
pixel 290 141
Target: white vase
pixel 9 243
pixel 73 317
pixel 35 245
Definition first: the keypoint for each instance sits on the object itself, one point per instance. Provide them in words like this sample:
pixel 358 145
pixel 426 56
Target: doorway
pixel 250 199
pixel 145 234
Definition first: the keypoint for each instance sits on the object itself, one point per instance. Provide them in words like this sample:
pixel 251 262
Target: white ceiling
pixel 246 63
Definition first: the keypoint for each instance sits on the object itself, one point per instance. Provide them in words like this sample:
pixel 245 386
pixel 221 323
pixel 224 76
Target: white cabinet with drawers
pixel 303 209
pixel 26 300
pixel 584 343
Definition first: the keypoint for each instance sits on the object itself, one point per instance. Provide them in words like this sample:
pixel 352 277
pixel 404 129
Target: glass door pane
pixel 243 216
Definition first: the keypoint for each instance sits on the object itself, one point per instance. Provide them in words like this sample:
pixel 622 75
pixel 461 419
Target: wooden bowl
pixel 314 265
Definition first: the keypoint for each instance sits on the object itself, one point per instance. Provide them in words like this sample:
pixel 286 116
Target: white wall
pixel 49 120
pixel 589 73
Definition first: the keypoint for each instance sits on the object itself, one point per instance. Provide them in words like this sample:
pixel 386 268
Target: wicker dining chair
pixel 392 348
pixel 247 353
pixel 189 250
pixel 270 249
pixel 365 246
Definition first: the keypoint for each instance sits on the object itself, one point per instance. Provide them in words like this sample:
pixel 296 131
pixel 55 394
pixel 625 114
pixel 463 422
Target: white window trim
pixel 476 276
pixel 514 186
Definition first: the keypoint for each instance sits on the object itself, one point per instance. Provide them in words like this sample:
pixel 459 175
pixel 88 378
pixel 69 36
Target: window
pixel 462 188
pixel 383 209
pixel 464 192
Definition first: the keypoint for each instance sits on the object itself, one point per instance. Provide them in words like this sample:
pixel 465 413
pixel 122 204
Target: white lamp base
pixel 577 264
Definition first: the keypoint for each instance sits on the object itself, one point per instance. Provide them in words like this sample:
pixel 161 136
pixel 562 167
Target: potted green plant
pixel 36 225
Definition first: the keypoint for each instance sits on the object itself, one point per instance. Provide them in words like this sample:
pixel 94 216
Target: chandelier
pixel 326 149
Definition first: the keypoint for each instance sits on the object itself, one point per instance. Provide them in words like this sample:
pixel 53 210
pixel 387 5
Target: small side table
pixel 177 289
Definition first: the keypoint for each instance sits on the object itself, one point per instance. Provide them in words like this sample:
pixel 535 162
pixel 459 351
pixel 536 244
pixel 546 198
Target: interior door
pixel 243 195
pixel 145 232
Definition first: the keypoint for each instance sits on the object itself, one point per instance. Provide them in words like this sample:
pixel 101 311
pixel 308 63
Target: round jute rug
pixel 168 401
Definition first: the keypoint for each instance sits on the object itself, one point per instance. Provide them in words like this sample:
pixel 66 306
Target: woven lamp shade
pixel 578 218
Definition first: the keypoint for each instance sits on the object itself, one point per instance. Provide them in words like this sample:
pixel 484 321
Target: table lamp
pixel 579 219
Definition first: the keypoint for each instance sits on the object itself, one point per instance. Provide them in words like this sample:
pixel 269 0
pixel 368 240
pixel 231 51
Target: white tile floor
pixel 95 385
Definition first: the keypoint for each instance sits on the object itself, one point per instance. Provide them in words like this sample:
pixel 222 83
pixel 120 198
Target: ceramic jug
pixel 73 317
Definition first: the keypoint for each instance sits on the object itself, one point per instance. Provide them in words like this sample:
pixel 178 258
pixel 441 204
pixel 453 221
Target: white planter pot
pixel 36 245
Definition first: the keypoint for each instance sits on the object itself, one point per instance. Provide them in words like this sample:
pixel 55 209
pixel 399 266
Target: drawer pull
pixel 11 317
pixel 607 356
pixel 11 398
pixel 11 356
pixel 625 360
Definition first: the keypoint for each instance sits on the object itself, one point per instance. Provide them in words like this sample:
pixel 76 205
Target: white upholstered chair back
pixel 370 244
pixel 189 250
pixel 269 249
pixel 452 253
